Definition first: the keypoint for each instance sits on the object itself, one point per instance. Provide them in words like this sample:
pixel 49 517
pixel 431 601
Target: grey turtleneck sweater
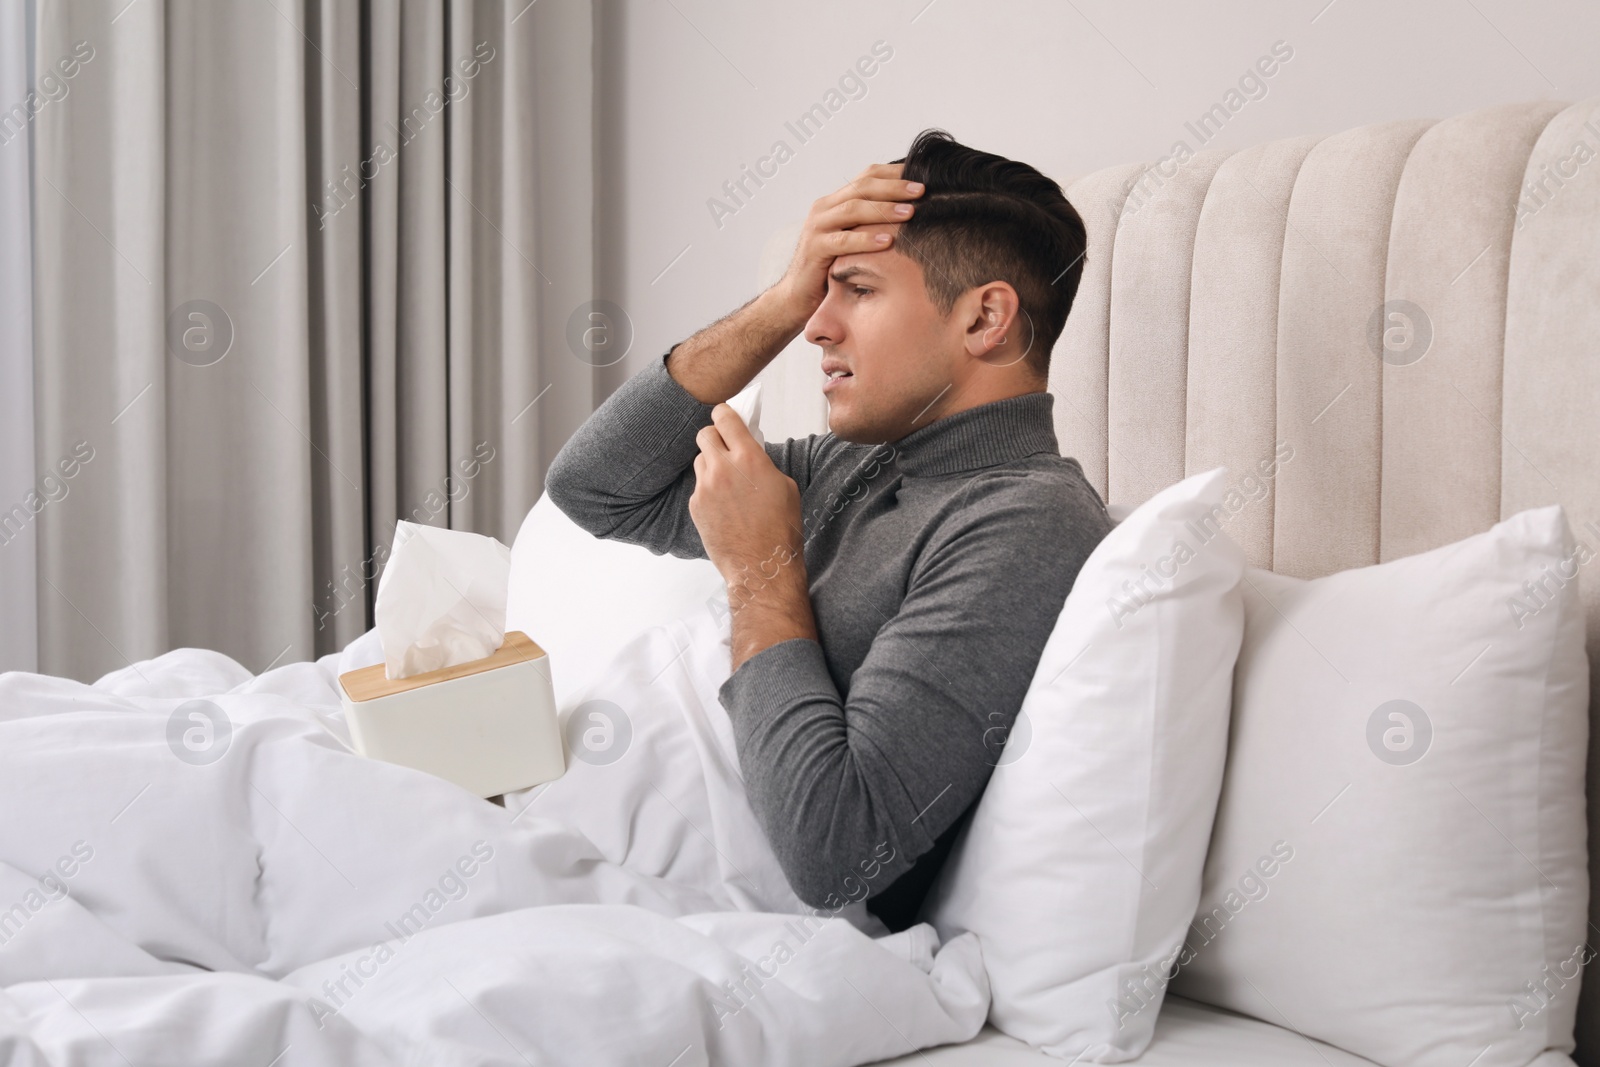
pixel 937 567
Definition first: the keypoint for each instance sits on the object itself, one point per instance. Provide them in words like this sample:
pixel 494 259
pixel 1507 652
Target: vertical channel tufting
pixel 1449 250
pixel 1148 378
pixel 1078 363
pixel 1550 426
pixel 1233 332
pixel 1552 369
pixel 1334 257
pixel 1391 455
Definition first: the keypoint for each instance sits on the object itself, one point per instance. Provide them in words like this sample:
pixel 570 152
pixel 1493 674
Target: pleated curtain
pixel 18 552
pixel 301 269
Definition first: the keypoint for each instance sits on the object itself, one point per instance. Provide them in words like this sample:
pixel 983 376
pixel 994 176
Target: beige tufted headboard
pixel 1238 301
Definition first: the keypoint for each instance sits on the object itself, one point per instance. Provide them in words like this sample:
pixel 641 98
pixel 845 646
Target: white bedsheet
pixel 1187 1034
pixel 292 903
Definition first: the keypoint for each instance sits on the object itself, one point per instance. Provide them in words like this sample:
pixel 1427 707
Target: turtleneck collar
pixel 1001 431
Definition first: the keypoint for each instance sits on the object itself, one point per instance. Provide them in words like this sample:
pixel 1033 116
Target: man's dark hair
pixel 983 218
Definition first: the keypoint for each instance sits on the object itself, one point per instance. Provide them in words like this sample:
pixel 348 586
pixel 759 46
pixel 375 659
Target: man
pixel 892 582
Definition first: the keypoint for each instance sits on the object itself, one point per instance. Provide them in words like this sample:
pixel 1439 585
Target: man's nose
pixel 823 327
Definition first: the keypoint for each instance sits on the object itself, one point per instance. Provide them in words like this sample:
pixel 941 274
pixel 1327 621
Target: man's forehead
pixel 859 265
pixel 877 266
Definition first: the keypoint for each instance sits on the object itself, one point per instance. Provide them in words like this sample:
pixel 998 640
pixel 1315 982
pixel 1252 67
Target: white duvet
pixel 289 902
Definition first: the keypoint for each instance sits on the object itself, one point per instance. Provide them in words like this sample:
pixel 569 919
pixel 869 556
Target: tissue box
pixel 489 726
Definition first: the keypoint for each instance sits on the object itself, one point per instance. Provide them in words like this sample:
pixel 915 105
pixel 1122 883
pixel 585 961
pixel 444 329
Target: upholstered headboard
pixel 1413 308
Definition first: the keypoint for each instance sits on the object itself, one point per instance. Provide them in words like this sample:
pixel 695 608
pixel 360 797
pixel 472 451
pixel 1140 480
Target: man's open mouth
pixel 834 371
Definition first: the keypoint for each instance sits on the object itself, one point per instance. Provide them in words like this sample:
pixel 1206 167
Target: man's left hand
pixel 747 511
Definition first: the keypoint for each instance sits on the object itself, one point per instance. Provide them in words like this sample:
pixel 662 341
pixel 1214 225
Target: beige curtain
pixel 301 268
pixel 19 489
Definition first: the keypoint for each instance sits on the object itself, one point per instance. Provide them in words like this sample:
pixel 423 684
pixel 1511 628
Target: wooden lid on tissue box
pixel 370 683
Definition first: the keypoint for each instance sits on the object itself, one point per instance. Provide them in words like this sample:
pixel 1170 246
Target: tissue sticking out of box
pixel 441 599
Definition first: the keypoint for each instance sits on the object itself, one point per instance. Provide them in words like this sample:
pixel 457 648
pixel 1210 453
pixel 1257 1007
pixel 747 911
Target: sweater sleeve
pixel 851 790
pixel 628 472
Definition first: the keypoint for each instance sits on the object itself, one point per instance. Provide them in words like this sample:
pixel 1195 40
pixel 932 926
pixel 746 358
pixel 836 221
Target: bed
pixel 334 910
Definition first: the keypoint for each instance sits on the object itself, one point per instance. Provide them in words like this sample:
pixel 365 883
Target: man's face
pixel 878 326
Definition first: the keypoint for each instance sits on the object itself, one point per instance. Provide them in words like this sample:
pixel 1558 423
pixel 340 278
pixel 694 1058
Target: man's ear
pixel 997 331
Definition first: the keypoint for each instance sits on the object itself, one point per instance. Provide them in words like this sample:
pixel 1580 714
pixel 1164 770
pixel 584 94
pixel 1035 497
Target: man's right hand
pixel 876 196
pixel 721 359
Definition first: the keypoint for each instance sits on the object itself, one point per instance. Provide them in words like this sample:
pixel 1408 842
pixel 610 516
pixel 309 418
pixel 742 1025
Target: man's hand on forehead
pixel 864 215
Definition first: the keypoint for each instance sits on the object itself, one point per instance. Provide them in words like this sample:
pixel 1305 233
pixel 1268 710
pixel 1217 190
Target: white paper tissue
pixel 441 599
pixel 747 403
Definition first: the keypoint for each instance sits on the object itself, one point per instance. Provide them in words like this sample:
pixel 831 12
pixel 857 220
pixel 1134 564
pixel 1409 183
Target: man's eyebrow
pixel 844 274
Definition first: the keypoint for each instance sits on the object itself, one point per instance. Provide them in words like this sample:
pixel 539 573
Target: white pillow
pixel 1081 867
pixel 1399 856
pixel 581 598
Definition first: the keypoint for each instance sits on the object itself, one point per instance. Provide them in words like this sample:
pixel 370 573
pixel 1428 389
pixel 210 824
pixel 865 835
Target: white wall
pixel 691 90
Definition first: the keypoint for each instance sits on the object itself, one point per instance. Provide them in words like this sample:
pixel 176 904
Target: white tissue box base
pixel 492 732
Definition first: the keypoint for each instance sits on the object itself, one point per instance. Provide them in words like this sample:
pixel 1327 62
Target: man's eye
pixel 860 290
